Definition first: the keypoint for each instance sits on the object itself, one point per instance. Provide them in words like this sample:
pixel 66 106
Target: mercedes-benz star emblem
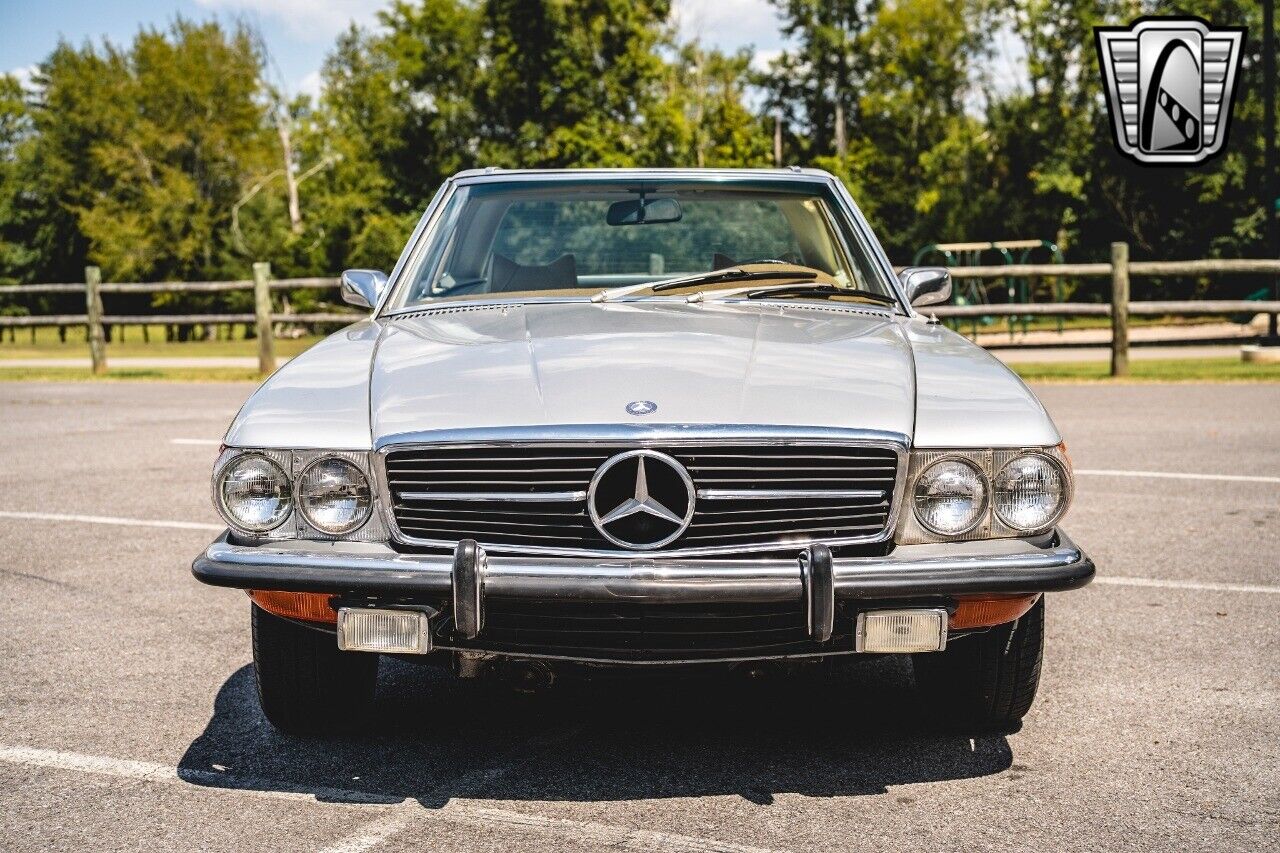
pixel 641 499
pixel 642 407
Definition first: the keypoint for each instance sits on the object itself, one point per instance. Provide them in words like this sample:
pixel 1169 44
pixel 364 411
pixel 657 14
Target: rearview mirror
pixel 642 211
pixel 362 288
pixel 926 285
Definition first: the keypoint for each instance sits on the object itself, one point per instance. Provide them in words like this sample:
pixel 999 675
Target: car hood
pixel 551 364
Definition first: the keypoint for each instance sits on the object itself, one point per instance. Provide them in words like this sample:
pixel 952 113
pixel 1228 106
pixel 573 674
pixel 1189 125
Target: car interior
pixel 517 239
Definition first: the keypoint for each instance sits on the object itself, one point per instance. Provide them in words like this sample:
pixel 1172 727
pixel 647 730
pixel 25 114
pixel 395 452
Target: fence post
pixel 262 312
pixel 93 312
pixel 1119 309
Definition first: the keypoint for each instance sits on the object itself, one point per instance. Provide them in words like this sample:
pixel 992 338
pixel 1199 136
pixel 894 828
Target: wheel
pixel 306 684
pixel 986 681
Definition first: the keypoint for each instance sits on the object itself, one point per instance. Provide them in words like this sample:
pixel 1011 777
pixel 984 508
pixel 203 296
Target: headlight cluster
pixel 330 495
pixel 974 494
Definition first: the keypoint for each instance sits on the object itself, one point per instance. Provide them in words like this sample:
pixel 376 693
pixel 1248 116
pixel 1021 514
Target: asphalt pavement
pixel 128 718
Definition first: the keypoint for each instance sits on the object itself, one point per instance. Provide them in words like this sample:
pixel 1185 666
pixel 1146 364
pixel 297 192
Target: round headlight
pixel 334 496
pixel 253 494
pixel 950 497
pixel 1030 492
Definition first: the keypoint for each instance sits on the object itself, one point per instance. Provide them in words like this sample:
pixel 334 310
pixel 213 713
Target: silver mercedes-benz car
pixel 623 418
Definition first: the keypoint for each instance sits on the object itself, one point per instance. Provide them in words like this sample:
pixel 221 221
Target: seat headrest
pixel 508 276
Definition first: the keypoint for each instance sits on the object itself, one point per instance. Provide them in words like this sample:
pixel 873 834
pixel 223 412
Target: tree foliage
pixel 172 157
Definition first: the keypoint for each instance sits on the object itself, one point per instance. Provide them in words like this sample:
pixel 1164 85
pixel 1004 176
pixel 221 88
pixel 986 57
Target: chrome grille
pixel 833 493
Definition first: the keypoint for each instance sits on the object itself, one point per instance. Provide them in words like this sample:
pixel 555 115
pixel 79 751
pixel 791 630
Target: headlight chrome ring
pixel 254 493
pixel 1030 492
pixel 334 495
pixel 941 492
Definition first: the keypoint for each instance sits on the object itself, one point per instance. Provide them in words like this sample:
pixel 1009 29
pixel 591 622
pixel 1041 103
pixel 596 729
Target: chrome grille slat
pixel 569 527
pixel 775 521
pixel 755 509
pixel 870 467
pixel 719 536
pixel 740 518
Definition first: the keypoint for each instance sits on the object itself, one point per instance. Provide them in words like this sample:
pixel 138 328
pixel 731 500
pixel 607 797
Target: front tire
pixel 986 681
pixel 306 684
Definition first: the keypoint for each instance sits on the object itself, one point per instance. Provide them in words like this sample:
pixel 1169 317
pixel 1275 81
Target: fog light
pixel 398 632
pixel 901 631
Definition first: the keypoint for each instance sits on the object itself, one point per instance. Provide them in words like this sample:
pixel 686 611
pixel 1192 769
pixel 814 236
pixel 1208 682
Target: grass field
pixel 1163 370
pixel 129 374
pixel 1154 370
pixel 47 345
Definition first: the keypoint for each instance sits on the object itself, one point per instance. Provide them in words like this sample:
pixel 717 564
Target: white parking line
pixel 1175 584
pixel 469 784
pixel 148 771
pixel 375 832
pixel 210 442
pixel 109 519
pixel 469 814
pixel 1169 475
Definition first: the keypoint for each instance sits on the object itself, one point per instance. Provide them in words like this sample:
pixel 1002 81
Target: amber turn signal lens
pixel 986 612
pixel 310 606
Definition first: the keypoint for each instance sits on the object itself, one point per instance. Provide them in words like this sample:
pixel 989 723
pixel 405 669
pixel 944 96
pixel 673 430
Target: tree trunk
pixel 290 176
pixel 842 145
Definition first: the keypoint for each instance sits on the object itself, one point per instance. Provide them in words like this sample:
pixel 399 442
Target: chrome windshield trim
pixel 786 494
pixel 413 249
pixel 710 176
pixel 633 436
pixel 520 497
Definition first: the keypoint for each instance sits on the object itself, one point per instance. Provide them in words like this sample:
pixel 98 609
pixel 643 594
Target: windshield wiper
pixel 732 274
pixel 819 290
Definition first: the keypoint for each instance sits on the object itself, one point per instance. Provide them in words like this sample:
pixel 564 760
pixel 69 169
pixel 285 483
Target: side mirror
pixel 926 285
pixel 363 287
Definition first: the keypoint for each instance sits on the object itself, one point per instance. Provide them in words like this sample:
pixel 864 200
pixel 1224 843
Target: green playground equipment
pixel 977 291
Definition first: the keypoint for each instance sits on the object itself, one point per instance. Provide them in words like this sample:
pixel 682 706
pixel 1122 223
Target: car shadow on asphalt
pixel 856 730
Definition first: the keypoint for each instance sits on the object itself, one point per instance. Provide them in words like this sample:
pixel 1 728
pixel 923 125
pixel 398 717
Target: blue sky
pixel 298 33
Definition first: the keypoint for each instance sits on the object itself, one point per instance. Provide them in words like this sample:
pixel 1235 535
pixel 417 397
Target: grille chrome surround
pixel 563 466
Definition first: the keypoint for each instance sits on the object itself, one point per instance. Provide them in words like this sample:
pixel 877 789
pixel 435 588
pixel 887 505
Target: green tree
pixel 15 138
pixel 702 119
pixel 566 84
pixel 142 152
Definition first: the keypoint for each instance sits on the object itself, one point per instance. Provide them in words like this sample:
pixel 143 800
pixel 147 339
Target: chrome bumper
pixel 1000 566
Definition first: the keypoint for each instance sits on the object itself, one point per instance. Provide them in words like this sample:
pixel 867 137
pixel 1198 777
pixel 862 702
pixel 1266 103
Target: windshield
pixel 579 238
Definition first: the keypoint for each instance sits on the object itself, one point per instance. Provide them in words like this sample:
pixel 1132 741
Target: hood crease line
pixel 533 362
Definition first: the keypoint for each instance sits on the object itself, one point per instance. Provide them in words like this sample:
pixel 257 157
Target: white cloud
pixel 24 73
pixel 730 24
pixel 305 20
pixel 762 59
pixel 311 85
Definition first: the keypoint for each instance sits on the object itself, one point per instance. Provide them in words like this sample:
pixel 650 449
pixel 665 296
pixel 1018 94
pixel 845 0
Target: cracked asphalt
pixel 128 718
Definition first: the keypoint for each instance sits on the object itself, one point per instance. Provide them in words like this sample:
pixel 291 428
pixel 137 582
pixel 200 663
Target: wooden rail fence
pixel 1120 270
pixel 95 320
